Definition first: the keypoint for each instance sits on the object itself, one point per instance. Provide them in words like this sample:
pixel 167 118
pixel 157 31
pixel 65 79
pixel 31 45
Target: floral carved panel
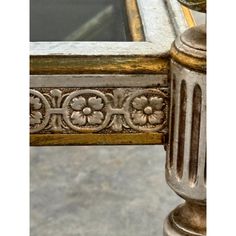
pixel 102 110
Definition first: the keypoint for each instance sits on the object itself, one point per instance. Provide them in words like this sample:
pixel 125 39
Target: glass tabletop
pixel 78 20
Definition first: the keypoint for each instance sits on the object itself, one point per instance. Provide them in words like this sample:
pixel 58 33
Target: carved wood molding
pixel 98 110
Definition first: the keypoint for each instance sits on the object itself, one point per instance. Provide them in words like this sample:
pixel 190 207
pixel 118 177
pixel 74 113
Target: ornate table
pixel 138 90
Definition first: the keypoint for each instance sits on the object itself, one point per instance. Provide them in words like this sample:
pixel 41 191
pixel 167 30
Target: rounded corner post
pixel 186 149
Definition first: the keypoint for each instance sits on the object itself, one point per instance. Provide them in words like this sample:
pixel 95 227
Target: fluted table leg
pixel 186 149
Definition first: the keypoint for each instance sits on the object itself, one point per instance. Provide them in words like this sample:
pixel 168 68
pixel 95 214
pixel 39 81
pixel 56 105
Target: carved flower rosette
pixel 86 111
pixel 147 110
pixel 39 116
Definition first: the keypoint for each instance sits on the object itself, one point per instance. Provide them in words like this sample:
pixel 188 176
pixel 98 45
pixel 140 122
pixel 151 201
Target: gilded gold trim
pixel 134 20
pixel 188 61
pixel 188 16
pixel 98 64
pixel 96 139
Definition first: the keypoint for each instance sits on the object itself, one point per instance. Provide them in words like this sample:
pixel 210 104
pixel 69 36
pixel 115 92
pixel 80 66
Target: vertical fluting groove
pixel 202 138
pixel 188 130
pixel 175 126
pixel 195 135
pixel 181 128
pixel 205 170
pixel 172 122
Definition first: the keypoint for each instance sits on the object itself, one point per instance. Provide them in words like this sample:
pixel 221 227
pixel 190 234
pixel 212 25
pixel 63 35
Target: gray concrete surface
pixel 99 191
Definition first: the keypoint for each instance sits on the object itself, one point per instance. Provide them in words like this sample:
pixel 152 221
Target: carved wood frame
pixel 103 72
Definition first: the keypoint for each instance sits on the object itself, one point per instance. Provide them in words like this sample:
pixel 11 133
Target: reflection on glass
pixel 78 20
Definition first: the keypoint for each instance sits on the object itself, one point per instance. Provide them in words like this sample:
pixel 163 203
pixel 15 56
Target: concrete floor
pixel 99 191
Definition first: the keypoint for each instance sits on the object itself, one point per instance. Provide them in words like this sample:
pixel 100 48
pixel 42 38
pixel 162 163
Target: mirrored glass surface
pixel 78 20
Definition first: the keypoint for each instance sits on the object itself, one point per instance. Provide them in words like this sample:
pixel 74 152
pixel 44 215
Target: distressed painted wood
pixel 120 88
pixel 119 105
pixel 96 139
pixel 135 24
pixel 51 64
pixel 186 148
pixel 151 56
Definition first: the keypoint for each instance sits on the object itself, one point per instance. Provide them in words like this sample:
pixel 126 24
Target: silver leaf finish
pixel 104 110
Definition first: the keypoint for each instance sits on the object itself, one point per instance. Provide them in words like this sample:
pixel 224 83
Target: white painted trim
pixel 98 81
pixel 94 48
pixel 177 16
